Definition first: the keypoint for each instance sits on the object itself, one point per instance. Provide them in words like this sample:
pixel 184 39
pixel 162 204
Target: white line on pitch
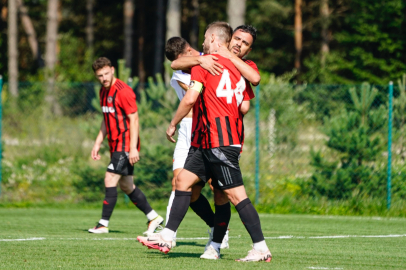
pixel 313 267
pixel 205 238
pixel 26 239
pixel 337 236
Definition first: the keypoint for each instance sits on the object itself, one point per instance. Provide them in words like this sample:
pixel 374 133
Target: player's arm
pixel 184 108
pixel 208 62
pixel 134 156
pixel 99 140
pixel 245 107
pixel 183 85
pixel 248 72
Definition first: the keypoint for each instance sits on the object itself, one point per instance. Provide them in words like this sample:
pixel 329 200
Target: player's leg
pixel 179 158
pixel 163 240
pixel 201 206
pixel 228 178
pixel 110 199
pixel 140 201
pixel 193 172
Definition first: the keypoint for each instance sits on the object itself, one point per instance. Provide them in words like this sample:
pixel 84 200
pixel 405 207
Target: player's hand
pixel 170 132
pixel 210 64
pixel 223 51
pixel 134 156
pixel 95 152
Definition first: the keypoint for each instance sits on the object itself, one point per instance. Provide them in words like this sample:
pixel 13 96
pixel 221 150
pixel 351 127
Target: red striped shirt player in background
pixel 220 149
pixel 120 125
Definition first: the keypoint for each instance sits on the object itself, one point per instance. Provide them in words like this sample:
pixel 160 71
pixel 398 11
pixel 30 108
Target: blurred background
pixel 324 135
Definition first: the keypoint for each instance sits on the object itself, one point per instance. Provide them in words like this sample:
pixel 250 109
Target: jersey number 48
pixel 224 88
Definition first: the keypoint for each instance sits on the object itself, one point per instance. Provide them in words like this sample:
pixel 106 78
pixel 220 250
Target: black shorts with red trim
pixel 120 164
pixel 222 165
pixel 194 163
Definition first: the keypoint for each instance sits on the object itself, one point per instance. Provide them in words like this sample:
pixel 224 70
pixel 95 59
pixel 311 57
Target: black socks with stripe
pixel 221 221
pixel 138 198
pixel 109 202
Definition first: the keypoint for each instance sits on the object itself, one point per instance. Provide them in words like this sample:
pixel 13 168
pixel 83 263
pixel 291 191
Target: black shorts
pixel 222 166
pixel 119 164
pixel 194 163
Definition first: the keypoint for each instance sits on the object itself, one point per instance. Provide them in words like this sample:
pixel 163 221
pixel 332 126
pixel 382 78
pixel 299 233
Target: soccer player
pixel 175 48
pixel 239 47
pixel 120 124
pixel 217 98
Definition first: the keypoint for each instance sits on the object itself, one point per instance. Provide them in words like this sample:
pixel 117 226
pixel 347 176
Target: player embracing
pixel 240 45
pixel 218 99
pixel 120 125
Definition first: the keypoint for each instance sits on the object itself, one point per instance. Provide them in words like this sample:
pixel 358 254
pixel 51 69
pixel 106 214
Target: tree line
pixel 325 41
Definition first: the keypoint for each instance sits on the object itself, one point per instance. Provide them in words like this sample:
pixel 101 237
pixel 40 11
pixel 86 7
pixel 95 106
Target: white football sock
pixel 152 215
pixel 104 222
pixel 215 245
pixel 167 234
pixel 261 246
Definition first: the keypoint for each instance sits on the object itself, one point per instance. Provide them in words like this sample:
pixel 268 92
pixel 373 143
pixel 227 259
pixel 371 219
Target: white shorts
pixel 183 143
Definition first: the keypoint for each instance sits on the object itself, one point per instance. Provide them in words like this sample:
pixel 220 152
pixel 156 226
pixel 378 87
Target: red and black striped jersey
pixel 219 105
pixel 118 102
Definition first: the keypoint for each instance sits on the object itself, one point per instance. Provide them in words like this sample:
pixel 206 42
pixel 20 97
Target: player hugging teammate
pixel 216 141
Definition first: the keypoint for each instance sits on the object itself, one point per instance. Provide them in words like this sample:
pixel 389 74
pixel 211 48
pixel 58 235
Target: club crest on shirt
pixel 110 99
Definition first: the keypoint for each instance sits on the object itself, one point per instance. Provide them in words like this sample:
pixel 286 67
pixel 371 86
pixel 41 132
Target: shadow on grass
pixel 189 244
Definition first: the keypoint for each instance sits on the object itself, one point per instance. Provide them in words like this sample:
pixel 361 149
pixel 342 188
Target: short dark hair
pixel 174 47
pixel 101 62
pixel 248 29
pixel 223 30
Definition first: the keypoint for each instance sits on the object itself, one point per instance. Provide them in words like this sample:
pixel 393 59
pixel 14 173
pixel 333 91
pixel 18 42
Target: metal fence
pixel 320 140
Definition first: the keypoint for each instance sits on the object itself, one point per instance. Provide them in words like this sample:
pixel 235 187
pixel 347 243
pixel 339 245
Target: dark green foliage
pixel 90 182
pixel 355 139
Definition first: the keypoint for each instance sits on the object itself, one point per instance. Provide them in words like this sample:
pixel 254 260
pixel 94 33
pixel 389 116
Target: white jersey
pixel 180 76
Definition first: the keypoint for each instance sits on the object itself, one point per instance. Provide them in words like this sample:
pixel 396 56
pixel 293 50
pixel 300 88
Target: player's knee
pixel 220 198
pixel 174 183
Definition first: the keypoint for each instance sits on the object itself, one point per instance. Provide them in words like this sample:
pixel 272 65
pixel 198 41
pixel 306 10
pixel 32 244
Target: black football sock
pixel 179 208
pixel 138 198
pixel 221 221
pixel 109 202
pixel 203 209
pixel 250 219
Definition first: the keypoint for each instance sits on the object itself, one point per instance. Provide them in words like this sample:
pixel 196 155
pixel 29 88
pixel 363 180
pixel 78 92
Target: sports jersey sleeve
pixel 180 76
pixel 251 64
pixel 248 93
pixel 198 74
pixel 127 100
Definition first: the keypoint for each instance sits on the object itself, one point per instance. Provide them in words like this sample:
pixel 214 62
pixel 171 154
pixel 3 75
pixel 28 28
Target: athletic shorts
pixel 221 164
pixel 183 143
pixel 120 164
pixel 195 164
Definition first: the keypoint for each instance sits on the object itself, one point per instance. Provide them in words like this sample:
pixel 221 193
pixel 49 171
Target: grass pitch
pixel 58 239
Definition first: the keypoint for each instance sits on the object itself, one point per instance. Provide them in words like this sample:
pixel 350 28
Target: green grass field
pixel 58 239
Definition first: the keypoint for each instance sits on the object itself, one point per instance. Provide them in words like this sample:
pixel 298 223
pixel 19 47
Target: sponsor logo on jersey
pixel 106 109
